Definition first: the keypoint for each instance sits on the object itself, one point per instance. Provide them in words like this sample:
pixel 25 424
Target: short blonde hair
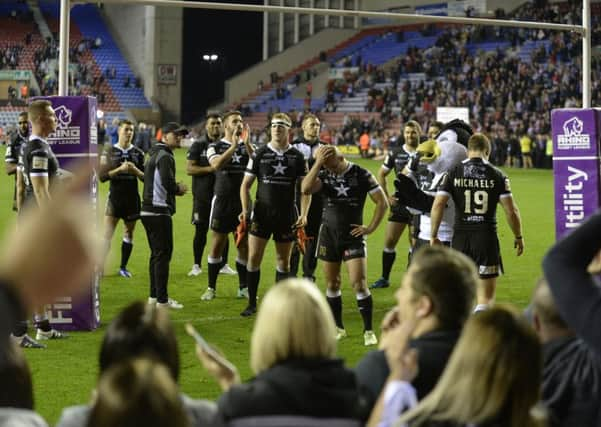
pixel 282 117
pixel 294 322
pixel 38 108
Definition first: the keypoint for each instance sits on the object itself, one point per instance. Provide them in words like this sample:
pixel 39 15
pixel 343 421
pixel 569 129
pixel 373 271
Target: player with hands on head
pixel 345 187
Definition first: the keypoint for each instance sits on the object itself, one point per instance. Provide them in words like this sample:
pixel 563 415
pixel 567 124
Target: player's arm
pixel 379 198
pixel 11 160
pixel 20 189
pixel 41 185
pixel 436 213
pixel 311 183
pixel 381 178
pixel 193 169
pixel 247 183
pixel 135 169
pixel 512 214
pixel 217 161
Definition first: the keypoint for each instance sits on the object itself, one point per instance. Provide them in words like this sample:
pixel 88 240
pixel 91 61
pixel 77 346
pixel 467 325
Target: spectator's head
pixel 438 289
pixel 434 129
pixel 140 330
pixel 23 123
pixel 294 322
pixel 125 132
pixel 16 390
pixel 232 125
pixel 137 392
pixel 42 117
pixel 547 321
pixel 494 373
pixel 311 126
pixel 478 145
pixel 214 126
pixel 412 133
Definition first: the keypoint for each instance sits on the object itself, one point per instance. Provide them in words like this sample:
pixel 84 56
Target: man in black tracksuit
pixel 158 205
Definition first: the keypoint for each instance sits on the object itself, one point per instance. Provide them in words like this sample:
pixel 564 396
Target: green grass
pixel 65 373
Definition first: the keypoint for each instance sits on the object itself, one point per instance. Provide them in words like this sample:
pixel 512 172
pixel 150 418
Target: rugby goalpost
pixel 584 30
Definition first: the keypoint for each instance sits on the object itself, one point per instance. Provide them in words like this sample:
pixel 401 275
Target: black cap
pixel 175 128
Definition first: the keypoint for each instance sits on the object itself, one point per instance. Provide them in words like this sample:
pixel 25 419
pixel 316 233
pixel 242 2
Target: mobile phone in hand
pixel 207 348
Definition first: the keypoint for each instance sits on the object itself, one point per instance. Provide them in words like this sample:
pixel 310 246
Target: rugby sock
pixel 214 267
pixel 334 299
pixel 226 252
pixel 126 247
pixel 480 307
pixel 365 305
pixel 388 256
pixel 294 261
pixel 200 241
pixel 242 273
pixel 252 281
pixel 20 328
pixel 42 322
pixel 281 275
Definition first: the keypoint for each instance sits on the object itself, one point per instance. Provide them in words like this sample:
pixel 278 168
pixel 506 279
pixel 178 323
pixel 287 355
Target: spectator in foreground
pixel 571 387
pixel 141 330
pixel 493 378
pixel 293 354
pixel 437 294
pixel 137 393
pixel 568 268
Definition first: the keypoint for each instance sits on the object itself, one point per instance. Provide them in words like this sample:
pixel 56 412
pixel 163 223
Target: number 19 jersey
pixel 476 187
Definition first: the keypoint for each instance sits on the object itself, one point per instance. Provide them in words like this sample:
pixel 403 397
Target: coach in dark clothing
pixel 158 205
pixel 571 387
pixel 437 292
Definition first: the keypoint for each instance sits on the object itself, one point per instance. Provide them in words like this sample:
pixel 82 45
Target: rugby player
pixel 278 168
pixel 345 187
pixel 476 187
pixel 229 158
pixel 122 164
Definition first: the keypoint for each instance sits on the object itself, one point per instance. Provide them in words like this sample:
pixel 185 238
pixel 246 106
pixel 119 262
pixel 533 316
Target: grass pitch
pixel 65 373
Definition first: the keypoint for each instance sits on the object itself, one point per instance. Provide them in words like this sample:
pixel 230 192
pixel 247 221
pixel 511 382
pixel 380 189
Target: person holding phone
pixel 293 355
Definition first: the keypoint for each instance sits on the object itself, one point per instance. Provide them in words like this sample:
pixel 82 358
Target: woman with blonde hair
pixel 293 354
pixel 492 379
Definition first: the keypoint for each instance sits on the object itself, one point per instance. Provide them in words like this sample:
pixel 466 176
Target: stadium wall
pixel 149 36
pixel 240 85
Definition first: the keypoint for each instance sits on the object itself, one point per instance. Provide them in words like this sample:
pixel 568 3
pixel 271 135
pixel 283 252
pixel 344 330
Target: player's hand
pixel 300 222
pixel 358 230
pixel 245 135
pixel 181 189
pixel 435 241
pixel 392 201
pixel 323 153
pixel 518 244
pixel 242 217
pixel 225 376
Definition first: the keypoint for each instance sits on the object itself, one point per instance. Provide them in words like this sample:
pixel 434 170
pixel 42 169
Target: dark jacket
pixel 321 388
pixel 160 186
pixel 433 351
pixel 572 383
